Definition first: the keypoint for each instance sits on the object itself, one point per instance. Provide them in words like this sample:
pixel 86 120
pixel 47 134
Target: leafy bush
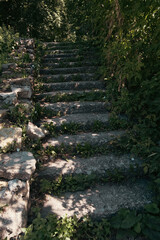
pixel 7 40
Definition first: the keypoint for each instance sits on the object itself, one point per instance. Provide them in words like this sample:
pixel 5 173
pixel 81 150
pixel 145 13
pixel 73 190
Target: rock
pixel 8 66
pixel 3 112
pixel 9 136
pixel 19 165
pixel 8 98
pixel 14 200
pixel 21 81
pixel 22 92
pixel 34 132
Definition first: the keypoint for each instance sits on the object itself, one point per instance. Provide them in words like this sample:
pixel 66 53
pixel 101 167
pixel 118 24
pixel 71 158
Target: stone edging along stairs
pixel 60 78
pixel 79 122
pixel 16 168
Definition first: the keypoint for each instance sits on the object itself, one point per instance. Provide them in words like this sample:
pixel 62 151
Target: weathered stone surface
pixel 9 136
pixel 94 165
pixel 8 66
pixel 83 119
pixel 91 138
pixel 20 81
pixel 19 165
pixel 83 85
pixel 14 200
pixel 78 107
pixel 3 112
pixel 100 201
pixel 8 98
pixel 34 132
pixel 24 92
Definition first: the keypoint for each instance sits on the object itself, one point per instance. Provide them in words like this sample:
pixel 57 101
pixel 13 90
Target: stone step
pixel 73 50
pixel 86 119
pixel 76 70
pixel 85 85
pixel 51 96
pixel 98 165
pixel 100 201
pixel 64 44
pixel 68 64
pixel 69 77
pixel 61 55
pixel 64 108
pixel 94 139
pixel 61 59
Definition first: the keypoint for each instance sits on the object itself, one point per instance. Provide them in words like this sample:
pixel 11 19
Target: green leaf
pixel 151 235
pixel 137 228
pixel 152 208
pixel 153 222
pixel 129 221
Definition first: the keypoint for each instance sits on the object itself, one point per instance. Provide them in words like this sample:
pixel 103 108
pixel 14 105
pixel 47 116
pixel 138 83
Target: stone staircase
pixel 68 71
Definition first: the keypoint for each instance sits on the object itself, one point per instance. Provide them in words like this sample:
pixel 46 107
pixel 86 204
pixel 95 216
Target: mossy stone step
pixel 98 165
pixel 64 108
pixel 82 119
pixel 69 77
pixel 63 70
pixel 94 139
pixel 100 201
pixel 83 85
pixel 68 64
pixel 62 59
pixel 71 94
pixel 61 55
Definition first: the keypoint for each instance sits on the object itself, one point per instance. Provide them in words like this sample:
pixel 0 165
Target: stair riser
pixel 66 71
pixel 80 109
pixel 74 86
pixel 71 77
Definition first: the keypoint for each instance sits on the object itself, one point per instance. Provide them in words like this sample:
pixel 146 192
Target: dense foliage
pixel 7 40
pixel 38 18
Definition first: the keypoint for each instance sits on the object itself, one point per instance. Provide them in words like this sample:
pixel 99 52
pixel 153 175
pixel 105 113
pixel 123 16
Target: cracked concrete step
pixel 64 108
pixel 85 85
pixel 82 118
pixel 69 77
pixel 52 95
pixel 68 70
pixel 98 165
pixel 97 139
pixel 100 201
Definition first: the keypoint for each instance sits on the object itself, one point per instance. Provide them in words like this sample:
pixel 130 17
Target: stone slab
pixel 101 201
pixel 9 136
pixel 82 85
pixel 83 119
pixel 23 92
pixel 97 139
pixel 93 165
pixel 78 107
pixel 19 165
pixel 14 200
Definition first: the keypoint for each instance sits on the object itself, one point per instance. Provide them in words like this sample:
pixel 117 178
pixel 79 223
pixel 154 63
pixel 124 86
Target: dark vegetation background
pixel 127 33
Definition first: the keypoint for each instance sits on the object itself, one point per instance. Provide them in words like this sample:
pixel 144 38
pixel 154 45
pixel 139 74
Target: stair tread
pixel 77 85
pixel 82 118
pixel 68 92
pixel 77 107
pixel 100 201
pixel 94 165
pixel 92 138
